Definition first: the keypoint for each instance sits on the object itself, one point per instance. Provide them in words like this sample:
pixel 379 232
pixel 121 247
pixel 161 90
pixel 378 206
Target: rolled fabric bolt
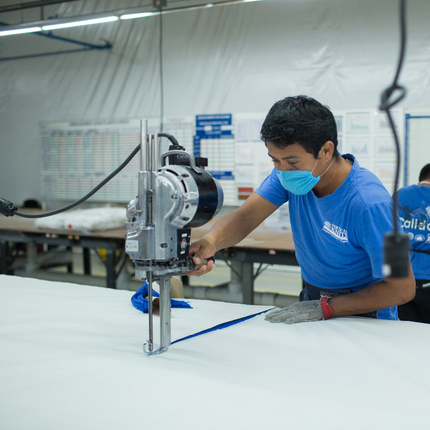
pixel 176 292
pixel 176 288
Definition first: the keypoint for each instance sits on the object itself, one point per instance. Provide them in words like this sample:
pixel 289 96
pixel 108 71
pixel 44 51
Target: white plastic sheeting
pixel 85 219
pixel 239 58
pixel 72 358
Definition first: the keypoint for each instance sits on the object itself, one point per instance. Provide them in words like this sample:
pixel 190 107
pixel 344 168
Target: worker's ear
pixel 327 150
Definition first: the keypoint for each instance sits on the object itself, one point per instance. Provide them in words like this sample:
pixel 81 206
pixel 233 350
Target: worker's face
pixel 293 157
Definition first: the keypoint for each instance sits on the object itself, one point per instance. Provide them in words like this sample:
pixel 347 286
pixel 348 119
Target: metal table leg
pixel 87 260
pixel 110 268
pixel 4 251
pixel 248 282
pixel 242 275
pixel 70 265
pixel 31 265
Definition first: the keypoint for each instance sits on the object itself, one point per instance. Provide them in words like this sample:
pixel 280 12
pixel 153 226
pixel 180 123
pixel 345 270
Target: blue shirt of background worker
pixel 414 214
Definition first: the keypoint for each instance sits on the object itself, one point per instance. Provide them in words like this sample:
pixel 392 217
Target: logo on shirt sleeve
pixel 337 232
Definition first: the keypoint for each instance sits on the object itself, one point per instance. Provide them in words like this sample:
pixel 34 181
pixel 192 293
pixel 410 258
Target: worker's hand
pixel 298 312
pixel 201 251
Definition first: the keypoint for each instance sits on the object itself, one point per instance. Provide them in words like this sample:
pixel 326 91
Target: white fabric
pixel 85 219
pixel 71 358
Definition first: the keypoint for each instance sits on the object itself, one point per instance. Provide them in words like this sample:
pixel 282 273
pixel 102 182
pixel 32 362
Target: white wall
pixel 239 58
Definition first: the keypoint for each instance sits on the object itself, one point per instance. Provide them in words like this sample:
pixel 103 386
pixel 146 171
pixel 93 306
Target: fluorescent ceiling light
pixel 138 15
pixel 54 24
pixel 180 9
pixel 79 23
pixel 20 31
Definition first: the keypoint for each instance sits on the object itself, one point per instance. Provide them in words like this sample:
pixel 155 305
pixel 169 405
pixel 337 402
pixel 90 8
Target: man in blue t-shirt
pixel 339 213
pixel 414 212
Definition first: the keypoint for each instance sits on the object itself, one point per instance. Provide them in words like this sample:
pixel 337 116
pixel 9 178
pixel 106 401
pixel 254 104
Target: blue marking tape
pixel 221 326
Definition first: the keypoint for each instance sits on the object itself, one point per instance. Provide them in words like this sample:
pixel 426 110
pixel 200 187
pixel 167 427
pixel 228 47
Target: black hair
pixel 303 120
pixel 425 173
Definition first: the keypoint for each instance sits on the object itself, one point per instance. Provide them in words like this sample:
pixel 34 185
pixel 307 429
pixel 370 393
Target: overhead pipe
pixel 86 46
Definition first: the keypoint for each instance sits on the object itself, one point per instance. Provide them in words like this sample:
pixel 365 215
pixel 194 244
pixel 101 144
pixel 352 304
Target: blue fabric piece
pixel 414 212
pixel 140 302
pixel 339 238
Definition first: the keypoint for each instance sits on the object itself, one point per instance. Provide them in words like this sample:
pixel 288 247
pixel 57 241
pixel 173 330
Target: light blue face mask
pixel 299 182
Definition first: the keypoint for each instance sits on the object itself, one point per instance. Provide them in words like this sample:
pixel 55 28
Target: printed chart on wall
pixel 252 162
pixel 367 135
pixel 78 155
pixel 417 136
pixel 214 140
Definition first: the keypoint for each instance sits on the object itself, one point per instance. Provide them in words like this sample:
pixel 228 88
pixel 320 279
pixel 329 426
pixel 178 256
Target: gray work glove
pixel 299 312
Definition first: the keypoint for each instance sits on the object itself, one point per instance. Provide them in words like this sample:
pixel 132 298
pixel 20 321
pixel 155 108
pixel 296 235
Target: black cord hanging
pixel 8 209
pixel 396 245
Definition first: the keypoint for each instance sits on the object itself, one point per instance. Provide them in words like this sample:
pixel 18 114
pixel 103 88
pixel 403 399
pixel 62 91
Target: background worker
pixel 339 213
pixel 414 213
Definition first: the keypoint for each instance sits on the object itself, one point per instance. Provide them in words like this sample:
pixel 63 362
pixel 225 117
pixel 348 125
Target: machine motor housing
pixel 181 197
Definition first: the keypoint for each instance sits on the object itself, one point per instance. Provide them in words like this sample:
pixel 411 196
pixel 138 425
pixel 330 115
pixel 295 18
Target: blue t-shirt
pixel 414 212
pixel 339 238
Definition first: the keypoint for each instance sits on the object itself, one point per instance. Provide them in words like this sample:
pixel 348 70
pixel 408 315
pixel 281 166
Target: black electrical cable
pixel 7 208
pixel 396 244
pixel 387 102
pixel 171 138
pixel 91 193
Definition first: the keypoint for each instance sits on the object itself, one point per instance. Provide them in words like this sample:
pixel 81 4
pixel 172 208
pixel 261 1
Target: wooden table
pixel 263 246
pixel 23 230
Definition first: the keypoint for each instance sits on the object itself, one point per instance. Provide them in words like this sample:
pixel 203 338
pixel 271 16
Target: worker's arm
pixel 230 230
pixel 384 294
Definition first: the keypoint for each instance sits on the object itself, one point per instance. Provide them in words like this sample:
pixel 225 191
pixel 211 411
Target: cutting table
pixel 71 358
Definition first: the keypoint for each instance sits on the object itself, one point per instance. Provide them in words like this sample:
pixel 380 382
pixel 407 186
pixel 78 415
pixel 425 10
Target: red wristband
pixel 326 308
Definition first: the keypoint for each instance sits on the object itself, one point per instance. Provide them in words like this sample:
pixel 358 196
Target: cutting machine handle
pixel 181 153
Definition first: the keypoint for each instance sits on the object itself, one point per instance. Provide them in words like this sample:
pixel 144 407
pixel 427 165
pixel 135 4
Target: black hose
pixel 8 209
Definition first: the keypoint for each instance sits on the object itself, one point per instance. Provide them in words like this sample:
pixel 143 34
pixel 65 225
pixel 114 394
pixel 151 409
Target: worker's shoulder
pixel 407 192
pixel 415 195
pixel 408 188
pixel 368 190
